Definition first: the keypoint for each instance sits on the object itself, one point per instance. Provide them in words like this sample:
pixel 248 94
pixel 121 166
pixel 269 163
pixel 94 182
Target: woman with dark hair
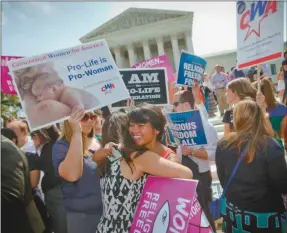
pixel 146 128
pixel 277 111
pixel 124 173
pixel 257 165
pixel 72 160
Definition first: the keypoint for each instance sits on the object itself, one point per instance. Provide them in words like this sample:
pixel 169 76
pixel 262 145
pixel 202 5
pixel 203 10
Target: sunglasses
pixel 87 117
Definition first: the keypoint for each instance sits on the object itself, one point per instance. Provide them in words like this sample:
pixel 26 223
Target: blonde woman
pixel 254 193
pixel 72 160
pixel 236 90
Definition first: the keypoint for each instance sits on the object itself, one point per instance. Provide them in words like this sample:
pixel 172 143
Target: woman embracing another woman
pixel 125 170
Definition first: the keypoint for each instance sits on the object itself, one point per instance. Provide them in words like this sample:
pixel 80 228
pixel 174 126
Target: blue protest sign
pixel 191 68
pixel 187 127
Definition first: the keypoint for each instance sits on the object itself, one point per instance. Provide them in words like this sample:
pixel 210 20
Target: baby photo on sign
pixel 45 96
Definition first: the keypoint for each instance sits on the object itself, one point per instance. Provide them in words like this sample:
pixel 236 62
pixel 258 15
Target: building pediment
pixel 134 17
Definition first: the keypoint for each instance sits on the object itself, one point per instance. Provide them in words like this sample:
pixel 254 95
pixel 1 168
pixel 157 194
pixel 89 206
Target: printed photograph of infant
pixel 45 96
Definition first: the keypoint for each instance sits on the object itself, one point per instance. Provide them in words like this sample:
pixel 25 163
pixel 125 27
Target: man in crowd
pixel 198 159
pixel 25 142
pixel 19 213
pixel 219 81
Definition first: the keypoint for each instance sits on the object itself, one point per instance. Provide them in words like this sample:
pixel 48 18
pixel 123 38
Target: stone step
pixel 215 120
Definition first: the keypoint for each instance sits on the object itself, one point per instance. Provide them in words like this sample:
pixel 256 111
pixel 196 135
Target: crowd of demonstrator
pixel 87 174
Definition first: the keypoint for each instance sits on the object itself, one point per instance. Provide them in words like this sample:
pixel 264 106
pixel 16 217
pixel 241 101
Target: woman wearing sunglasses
pixel 72 160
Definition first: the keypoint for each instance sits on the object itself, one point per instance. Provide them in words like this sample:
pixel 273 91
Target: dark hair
pixel 53 132
pixel 105 112
pixel 187 96
pixel 10 134
pixel 148 113
pixel 115 129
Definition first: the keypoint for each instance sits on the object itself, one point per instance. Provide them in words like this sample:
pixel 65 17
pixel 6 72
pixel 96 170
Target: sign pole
pixel 258 78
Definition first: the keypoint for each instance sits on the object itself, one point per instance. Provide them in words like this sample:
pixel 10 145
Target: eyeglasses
pixel 87 117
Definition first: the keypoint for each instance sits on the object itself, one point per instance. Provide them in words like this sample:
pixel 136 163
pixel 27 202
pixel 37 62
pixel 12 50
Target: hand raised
pixel 75 119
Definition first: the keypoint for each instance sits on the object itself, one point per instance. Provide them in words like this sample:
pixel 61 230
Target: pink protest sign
pixel 6 80
pixel 198 222
pixel 165 206
pixel 156 62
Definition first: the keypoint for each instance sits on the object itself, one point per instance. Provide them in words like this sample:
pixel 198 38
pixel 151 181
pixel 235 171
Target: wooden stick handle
pixel 258 77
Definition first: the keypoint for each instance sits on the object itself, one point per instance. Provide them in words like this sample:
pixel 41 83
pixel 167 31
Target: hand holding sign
pixel 75 119
pixel 130 103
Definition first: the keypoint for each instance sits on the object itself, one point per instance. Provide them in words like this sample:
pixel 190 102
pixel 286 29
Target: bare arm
pixel 71 168
pixel 101 154
pixel 197 153
pixel 173 157
pixel 34 178
pixel 153 164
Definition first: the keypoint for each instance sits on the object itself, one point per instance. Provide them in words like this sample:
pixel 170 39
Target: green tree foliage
pixel 10 105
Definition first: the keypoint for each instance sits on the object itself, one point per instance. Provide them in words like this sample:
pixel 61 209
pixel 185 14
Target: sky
pixel 31 28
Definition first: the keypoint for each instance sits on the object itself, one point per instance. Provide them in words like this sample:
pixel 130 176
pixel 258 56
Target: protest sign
pixel 157 62
pixel 165 206
pixel 259 32
pixel 191 68
pixel 145 85
pixel 187 128
pixel 198 222
pixel 52 84
pixel 6 80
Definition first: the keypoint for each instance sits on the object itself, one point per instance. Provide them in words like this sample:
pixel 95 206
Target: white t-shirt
pixel 29 146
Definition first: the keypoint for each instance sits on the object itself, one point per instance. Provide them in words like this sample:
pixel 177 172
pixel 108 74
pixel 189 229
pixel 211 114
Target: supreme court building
pixel 138 34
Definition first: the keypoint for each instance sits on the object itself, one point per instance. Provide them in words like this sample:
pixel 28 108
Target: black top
pixel 228 118
pixel 33 161
pixel 49 179
pixel 256 186
pixel 19 213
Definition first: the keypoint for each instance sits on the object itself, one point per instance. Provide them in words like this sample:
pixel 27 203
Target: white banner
pixel 259 32
pixel 52 84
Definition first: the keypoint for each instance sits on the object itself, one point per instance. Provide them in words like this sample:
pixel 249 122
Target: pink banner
pixel 6 80
pixel 198 222
pixel 155 62
pixel 168 206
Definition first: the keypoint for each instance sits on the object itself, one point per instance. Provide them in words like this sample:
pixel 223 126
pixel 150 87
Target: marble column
pixel 188 41
pixel 118 56
pixel 160 46
pixel 175 50
pixel 132 55
pixel 146 49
